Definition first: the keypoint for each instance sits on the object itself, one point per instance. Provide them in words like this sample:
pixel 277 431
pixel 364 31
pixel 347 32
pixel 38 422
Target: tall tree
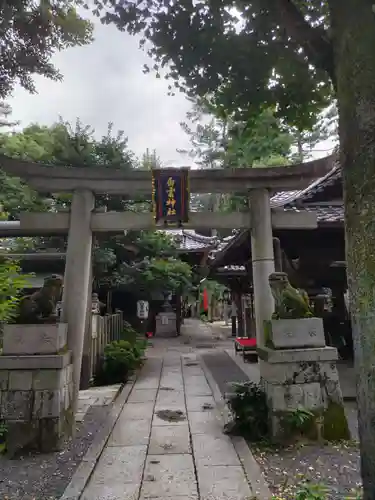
pixel 5 112
pixel 295 55
pixel 305 141
pixel 30 33
pixel 150 160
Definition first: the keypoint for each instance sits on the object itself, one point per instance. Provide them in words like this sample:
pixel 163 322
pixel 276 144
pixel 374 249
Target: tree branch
pixel 315 41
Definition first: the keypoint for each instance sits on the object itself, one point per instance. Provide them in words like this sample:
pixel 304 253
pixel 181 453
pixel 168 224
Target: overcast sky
pixel 104 82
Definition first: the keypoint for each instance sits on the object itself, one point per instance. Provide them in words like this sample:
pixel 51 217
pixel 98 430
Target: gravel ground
pixel 336 466
pixel 45 476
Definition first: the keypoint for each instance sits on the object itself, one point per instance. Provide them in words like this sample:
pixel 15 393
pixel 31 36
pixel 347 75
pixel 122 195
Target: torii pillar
pixel 77 280
pixel 262 256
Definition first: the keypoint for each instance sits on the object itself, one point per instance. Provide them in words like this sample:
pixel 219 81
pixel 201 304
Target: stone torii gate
pixel 83 221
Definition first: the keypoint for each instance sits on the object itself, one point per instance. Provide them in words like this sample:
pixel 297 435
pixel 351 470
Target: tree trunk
pixel 353 30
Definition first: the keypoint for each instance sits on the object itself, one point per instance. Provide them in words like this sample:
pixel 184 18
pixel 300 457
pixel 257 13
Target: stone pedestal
pixel 36 389
pixel 166 324
pixel 303 379
pixel 295 333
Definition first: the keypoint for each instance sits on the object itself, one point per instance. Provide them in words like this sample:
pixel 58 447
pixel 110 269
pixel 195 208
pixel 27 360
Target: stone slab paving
pixel 156 454
pixel 95 396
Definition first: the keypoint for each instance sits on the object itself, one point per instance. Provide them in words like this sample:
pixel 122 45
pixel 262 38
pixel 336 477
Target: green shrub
pixel 248 405
pixel 120 360
pixel 129 333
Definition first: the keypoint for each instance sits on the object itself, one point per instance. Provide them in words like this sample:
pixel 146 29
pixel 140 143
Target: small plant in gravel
pixel 311 491
pixel 120 360
pixel 3 435
pixel 248 405
pixel 299 422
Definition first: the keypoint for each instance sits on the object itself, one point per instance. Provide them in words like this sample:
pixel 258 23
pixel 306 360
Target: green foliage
pixel 165 274
pixel 115 257
pixel 11 285
pixel 31 32
pixel 129 333
pixel 310 491
pixel 3 435
pixel 244 57
pixel 298 420
pixel 120 360
pixel 248 405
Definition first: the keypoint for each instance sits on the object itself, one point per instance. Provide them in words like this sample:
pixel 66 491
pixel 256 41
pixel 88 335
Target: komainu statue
pixel 40 306
pixel 290 303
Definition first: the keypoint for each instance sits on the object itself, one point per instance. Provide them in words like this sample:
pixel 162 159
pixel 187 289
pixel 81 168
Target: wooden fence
pixel 104 329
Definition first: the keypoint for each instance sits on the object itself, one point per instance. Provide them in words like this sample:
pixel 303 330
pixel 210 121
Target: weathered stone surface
pixel 49 379
pixel 22 435
pixel 223 483
pixel 169 439
pixel 52 434
pixel 47 362
pixel 169 476
pixel 131 433
pixel 109 491
pixel 168 397
pixel 297 333
pixel 137 411
pixel 142 396
pixel 4 378
pixel 297 373
pixel 201 389
pixel 214 450
pixel 34 339
pixel 200 403
pixel 20 380
pixel 297 355
pixel 48 403
pixel 119 465
pixel 69 374
pixel 205 422
pixel 290 397
pixel 16 405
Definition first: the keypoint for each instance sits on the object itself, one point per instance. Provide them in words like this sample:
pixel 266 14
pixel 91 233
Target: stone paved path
pixel 95 396
pixel 168 441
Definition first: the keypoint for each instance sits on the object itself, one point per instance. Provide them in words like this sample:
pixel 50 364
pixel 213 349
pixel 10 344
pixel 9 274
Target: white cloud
pixel 104 82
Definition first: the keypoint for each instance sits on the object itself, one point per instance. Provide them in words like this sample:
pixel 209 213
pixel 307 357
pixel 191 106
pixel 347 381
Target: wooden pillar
pixel 77 280
pixel 262 258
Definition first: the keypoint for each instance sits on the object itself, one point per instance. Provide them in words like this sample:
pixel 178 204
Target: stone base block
pixel 36 405
pixel 45 435
pixel 166 324
pixel 34 339
pixel 296 380
pixel 296 333
pixel 297 355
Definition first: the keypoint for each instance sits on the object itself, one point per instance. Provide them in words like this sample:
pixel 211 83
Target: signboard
pixel 170 195
pixel 142 309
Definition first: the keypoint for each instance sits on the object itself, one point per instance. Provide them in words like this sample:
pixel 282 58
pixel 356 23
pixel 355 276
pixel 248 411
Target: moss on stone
pixel 268 342
pixel 335 426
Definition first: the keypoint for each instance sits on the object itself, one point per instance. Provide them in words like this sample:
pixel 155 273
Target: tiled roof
pixel 189 240
pixel 325 214
pixel 299 201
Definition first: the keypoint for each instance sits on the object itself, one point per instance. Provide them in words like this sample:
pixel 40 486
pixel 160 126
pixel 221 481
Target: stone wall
pixel 36 390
